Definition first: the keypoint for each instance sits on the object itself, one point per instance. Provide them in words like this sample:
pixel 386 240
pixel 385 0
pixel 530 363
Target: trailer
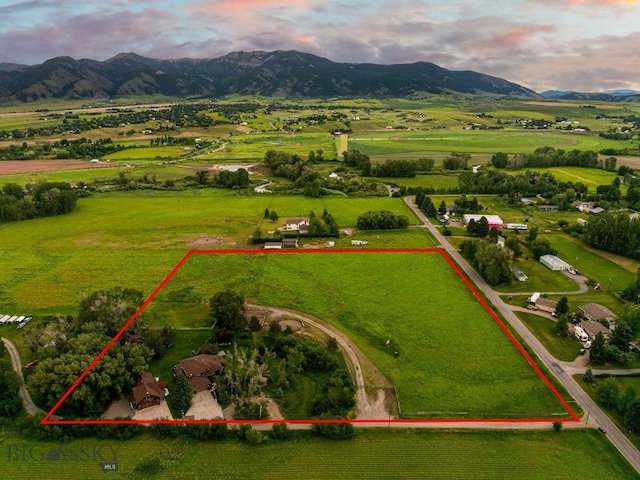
pixel 4 318
pixel 516 226
pixel 12 319
pixel 580 334
pixel 20 319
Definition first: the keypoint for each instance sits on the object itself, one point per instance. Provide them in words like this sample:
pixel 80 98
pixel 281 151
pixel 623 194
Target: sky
pixel 582 45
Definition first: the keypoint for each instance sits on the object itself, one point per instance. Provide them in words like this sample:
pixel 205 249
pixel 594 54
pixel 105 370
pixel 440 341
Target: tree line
pixel 34 201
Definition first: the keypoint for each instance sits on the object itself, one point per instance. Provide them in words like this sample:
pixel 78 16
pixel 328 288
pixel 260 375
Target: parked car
pixel 575 321
pixel 582 351
pixel 587 345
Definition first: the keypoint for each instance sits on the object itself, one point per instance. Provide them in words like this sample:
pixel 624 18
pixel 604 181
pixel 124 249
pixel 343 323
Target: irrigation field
pixel 453 360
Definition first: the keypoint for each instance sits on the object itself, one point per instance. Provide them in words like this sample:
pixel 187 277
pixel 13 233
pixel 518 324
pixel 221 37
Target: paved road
pixel 596 415
pixel 29 406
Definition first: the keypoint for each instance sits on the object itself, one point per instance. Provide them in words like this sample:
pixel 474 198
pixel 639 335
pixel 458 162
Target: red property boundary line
pixel 47 420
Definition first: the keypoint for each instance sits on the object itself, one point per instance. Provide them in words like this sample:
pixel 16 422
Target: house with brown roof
pixel 597 313
pixel 147 392
pixel 546 305
pixel 200 370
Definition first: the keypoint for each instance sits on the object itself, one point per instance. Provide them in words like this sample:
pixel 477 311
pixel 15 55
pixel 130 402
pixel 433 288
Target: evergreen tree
pixel 562 307
pixel 598 350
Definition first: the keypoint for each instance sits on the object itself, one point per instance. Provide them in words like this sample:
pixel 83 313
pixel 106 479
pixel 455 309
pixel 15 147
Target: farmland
pixel 486 378
pixel 370 454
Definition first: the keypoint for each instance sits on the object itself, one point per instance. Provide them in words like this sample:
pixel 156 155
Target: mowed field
pixel 371 454
pixel 133 239
pixel 453 359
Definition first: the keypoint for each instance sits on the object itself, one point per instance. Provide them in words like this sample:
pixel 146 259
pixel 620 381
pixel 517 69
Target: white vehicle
pixel 588 344
pixel 534 297
pixel 580 334
pixel 359 242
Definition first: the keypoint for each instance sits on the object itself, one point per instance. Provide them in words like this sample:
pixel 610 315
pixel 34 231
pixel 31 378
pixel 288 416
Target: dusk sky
pixel 584 45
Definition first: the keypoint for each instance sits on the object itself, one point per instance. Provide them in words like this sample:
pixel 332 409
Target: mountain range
pixel 622 95
pixel 281 73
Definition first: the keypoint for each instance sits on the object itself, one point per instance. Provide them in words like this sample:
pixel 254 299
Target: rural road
pixel 619 440
pixel 29 406
pixel 365 409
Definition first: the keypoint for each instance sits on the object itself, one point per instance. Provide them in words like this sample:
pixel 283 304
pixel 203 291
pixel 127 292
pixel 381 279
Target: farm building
pixel 516 226
pixel 527 201
pixel 554 263
pixel 597 211
pixel 548 208
pixel 290 243
pixel 546 305
pixel 519 274
pixel 147 392
pixel 494 220
pixel 582 221
pixel 273 245
pixel 596 312
pixel 200 370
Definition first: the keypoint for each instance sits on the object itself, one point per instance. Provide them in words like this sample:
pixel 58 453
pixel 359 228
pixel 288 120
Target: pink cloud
pixel 244 7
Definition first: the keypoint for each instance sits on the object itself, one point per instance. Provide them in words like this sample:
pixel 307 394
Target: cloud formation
pixel 563 44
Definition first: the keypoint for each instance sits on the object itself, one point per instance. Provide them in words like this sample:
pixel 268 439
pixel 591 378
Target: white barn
pixel 554 263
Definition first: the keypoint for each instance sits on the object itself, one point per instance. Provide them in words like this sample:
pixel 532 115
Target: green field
pixel 370 454
pixel 425 181
pixel 473 141
pixel 413 299
pixel 135 238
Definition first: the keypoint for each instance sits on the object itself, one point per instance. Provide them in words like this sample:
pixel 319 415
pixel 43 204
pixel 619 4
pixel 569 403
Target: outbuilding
pixel 554 263
pixel 546 305
pixel 494 220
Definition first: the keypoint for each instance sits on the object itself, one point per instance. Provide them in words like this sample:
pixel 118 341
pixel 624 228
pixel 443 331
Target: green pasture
pixel 254 146
pixel 454 360
pixel 146 152
pixel 561 348
pixel 591 177
pixel 478 141
pixel 541 279
pixel 609 274
pixel 133 239
pixel 88 175
pixel 392 453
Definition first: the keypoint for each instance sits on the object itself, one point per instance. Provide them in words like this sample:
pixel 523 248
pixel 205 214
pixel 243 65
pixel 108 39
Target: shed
pixel 527 201
pixel 519 274
pixel 554 263
pixel 501 241
pixel 582 221
pixel 273 245
pixel 596 211
pixel 290 243
pixel 548 208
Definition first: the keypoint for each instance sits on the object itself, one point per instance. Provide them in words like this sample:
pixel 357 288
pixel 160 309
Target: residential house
pixel 519 274
pixel 546 305
pixel 597 313
pixel 200 370
pixel 147 392
pixel 293 225
pixel 593 328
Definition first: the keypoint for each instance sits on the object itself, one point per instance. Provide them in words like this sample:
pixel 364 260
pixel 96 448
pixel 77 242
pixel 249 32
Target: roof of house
pixel 200 365
pixel 199 383
pixel 296 221
pixel 546 303
pixel 593 328
pixel 597 311
pixel 146 385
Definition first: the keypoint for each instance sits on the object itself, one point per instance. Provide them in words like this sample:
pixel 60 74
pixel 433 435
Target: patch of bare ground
pixel 629 161
pixel 206 241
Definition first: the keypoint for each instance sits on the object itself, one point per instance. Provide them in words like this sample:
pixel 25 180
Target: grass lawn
pixel 591 177
pixel 392 453
pixel 610 275
pixel 366 296
pixel 565 349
